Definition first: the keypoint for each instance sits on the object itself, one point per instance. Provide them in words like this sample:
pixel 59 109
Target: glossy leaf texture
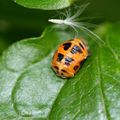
pixel 30 90
pixel 93 94
pixel 46 5
pixel 28 86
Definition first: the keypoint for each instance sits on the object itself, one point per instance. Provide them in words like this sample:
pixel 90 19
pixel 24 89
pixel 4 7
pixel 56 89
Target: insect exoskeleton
pixel 68 57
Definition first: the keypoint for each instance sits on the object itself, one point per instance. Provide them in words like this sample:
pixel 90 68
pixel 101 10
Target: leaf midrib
pixel 107 115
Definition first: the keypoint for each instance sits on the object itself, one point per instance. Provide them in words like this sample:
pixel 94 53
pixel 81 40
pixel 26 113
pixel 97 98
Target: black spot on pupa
pixel 76 49
pixel 81 45
pixel 76 67
pixel 60 57
pixel 68 60
pixel 67 45
pixel 62 74
pixel 56 67
pixel 63 70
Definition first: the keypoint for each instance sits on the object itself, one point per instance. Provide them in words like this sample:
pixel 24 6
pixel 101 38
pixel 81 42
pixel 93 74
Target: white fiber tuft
pixel 75 22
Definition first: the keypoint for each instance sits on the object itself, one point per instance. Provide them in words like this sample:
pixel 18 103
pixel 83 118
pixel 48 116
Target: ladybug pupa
pixel 68 57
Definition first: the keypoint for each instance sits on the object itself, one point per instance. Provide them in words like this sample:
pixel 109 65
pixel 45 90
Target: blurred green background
pixel 17 22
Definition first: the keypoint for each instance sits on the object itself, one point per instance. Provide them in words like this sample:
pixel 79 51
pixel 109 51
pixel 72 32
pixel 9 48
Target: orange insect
pixel 67 59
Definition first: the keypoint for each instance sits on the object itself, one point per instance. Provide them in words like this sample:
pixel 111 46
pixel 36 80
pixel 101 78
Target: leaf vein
pixel 107 116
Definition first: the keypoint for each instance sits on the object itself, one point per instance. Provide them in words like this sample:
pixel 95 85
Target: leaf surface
pixel 46 5
pixel 93 94
pixel 30 90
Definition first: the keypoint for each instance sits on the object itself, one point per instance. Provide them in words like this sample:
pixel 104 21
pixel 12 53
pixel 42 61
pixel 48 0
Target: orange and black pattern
pixel 67 59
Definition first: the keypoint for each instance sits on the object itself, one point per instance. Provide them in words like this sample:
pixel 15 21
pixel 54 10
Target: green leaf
pixel 29 89
pixel 46 5
pixel 94 93
pixel 28 86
